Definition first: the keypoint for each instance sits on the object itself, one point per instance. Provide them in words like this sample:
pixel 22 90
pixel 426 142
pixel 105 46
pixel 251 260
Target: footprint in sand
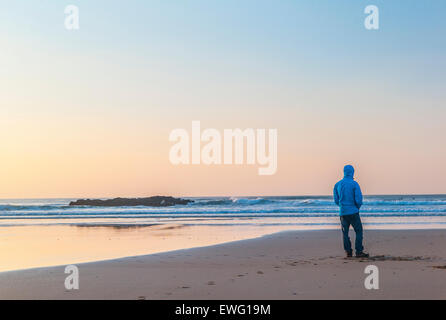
pixel 396 258
pixel 439 267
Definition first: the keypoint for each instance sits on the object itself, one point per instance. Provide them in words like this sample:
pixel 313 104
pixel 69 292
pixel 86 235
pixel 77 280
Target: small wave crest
pixel 31 207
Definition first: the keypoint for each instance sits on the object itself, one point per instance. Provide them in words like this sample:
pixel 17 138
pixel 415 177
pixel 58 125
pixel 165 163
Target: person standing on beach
pixel 348 196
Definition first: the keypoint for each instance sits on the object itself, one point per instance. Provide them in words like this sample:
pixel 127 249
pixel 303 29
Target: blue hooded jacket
pixel 347 193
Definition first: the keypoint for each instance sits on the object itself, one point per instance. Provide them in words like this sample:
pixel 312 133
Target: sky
pixel 88 112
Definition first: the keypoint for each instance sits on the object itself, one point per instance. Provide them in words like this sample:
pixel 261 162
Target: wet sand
pixel 34 246
pixel 286 265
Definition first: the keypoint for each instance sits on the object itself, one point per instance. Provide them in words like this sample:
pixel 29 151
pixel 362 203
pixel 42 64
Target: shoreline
pixel 283 265
pixel 172 226
pixel 148 254
pixel 28 247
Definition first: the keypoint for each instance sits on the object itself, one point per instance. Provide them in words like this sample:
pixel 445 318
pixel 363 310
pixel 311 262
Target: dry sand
pixel 286 265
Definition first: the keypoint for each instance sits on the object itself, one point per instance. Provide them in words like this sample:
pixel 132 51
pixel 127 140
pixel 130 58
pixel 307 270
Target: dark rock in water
pixel 157 201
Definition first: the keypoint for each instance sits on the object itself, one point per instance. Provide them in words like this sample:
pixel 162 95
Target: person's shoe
pixel 362 255
pixel 349 254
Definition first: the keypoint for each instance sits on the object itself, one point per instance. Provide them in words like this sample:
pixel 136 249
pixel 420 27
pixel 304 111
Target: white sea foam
pixel 254 208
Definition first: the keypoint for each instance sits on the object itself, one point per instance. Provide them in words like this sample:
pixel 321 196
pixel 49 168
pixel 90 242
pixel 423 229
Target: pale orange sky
pixel 104 155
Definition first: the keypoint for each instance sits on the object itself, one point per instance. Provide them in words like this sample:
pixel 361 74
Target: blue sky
pixel 299 34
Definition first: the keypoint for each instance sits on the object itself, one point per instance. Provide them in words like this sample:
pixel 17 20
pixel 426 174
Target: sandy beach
pixel 285 265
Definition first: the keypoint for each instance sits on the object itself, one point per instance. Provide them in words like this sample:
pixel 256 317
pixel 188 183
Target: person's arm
pixel 335 194
pixel 358 196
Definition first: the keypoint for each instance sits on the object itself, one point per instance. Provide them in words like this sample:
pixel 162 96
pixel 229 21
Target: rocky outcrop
pixel 157 201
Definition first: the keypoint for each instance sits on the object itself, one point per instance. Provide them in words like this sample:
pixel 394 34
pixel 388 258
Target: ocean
pixel 303 212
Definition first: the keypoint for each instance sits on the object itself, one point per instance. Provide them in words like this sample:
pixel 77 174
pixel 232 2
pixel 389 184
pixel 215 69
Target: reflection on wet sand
pixel 25 247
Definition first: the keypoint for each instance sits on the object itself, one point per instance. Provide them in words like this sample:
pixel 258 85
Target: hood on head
pixel 349 171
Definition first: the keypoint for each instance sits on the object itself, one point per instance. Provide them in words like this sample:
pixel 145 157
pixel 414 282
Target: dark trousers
pixel 355 221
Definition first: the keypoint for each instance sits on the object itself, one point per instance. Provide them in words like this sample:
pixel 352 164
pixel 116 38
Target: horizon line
pixel 226 196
